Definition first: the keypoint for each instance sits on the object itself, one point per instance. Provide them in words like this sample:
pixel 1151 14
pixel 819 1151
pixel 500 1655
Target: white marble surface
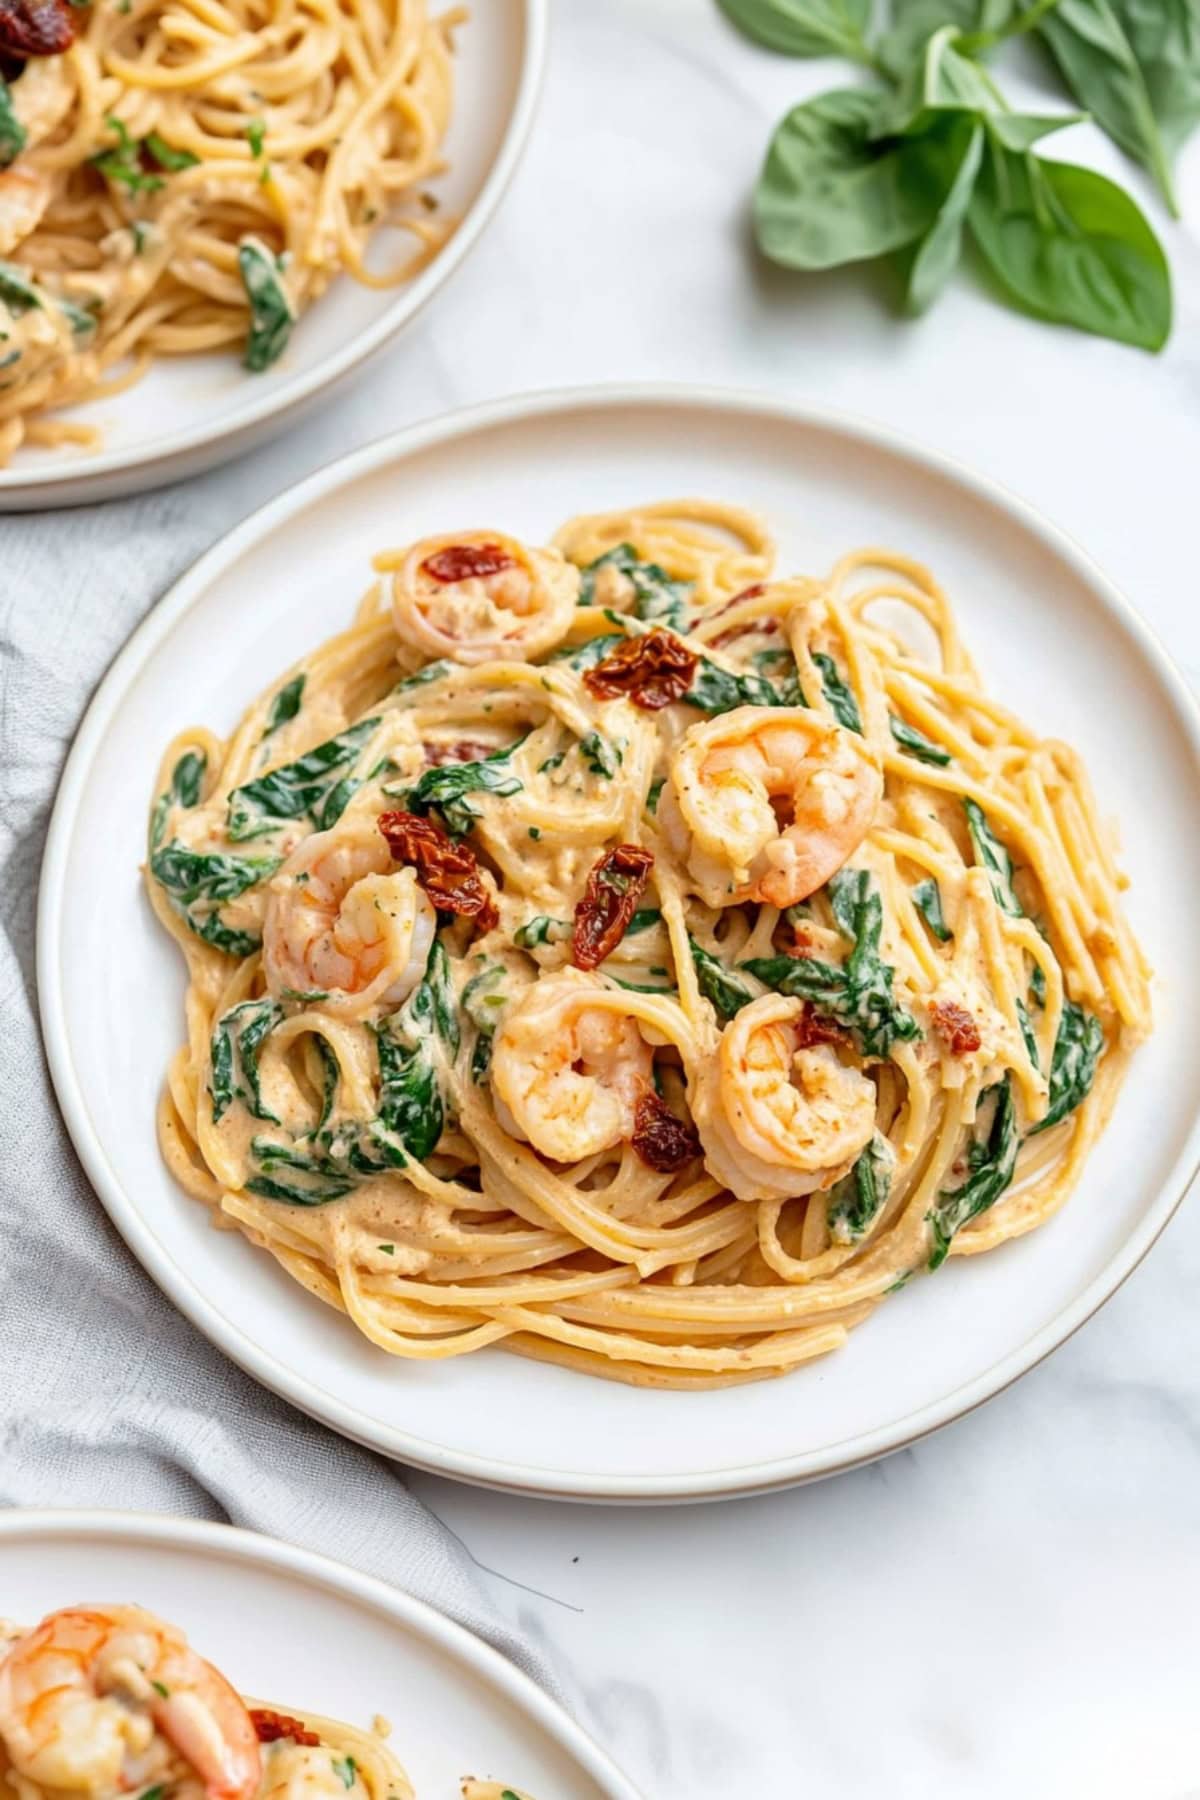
pixel 1011 1608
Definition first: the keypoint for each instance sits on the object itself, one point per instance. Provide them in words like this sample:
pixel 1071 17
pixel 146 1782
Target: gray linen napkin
pixel 108 1397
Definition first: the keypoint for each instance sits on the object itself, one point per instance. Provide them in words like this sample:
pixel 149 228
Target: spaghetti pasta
pixel 656 993
pixel 180 176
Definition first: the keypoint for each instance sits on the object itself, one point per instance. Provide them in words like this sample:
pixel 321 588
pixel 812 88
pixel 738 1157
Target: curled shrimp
pixel 734 776
pixel 778 1118
pixel 567 1073
pixel 343 922
pixel 104 1700
pixel 477 595
pixel 25 194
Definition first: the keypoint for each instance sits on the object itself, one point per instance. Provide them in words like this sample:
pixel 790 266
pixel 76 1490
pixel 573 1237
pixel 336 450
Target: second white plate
pixel 1053 639
pixel 316 1636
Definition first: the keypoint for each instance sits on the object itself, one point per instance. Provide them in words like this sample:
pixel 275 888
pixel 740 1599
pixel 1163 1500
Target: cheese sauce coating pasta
pixel 188 175
pixel 653 979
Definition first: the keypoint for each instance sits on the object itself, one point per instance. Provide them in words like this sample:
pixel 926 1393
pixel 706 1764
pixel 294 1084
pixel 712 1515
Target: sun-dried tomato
pixel 812 1029
pixel 35 27
pixel 610 899
pixel 464 750
pixel 661 1140
pixel 956 1026
pixel 270 1726
pixel 652 671
pixel 458 562
pixel 447 871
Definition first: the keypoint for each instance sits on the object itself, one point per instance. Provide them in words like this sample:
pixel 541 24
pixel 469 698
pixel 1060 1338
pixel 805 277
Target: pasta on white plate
pixel 100 1702
pixel 180 176
pixel 627 956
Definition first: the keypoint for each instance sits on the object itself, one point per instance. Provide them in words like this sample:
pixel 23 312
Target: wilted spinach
pixel 315 786
pixel 656 597
pixel 991 1160
pixel 856 1201
pixel 197 883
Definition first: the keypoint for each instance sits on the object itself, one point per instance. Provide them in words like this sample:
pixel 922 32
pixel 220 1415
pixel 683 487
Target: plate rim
pixel 424 1620
pixel 56 484
pixel 735 1481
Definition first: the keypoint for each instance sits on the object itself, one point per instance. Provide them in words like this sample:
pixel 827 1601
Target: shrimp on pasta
pixel 617 953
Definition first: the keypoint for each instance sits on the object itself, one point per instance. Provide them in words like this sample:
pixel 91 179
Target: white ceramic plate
pixel 1052 637
pixel 314 1636
pixel 191 412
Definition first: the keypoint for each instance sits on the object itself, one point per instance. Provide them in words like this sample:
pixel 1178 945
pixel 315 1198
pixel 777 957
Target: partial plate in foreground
pixel 1052 637
pixel 279 1621
pixel 191 412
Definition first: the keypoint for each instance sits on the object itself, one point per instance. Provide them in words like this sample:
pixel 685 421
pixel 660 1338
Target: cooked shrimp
pixel 25 194
pixel 567 1072
pixel 105 1700
pixel 307 1772
pixel 42 95
pixel 477 595
pixel 728 777
pixel 777 1120
pixel 343 922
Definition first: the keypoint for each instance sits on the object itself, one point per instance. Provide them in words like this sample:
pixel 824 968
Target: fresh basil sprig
pixel 911 169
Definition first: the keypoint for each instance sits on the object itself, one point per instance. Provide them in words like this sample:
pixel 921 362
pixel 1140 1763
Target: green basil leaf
pixel 271 315
pixel 941 81
pixel 827 195
pixel 1099 65
pixel 939 250
pixel 1164 36
pixel 1072 247
pixel 915 21
pixel 804 27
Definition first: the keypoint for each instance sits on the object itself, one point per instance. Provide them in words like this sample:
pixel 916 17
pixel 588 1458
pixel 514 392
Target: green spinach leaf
pixel 237 1039
pixel 311 787
pixel 991 1161
pixel 447 790
pixel 271 315
pixel 916 743
pixel 12 132
pixel 715 690
pixel 991 854
pixel 285 705
pixel 856 1201
pixel 187 778
pixel 842 702
pixel 1077 1052
pixel 719 983
pixel 197 883
pixel 927 898
pixel 656 597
